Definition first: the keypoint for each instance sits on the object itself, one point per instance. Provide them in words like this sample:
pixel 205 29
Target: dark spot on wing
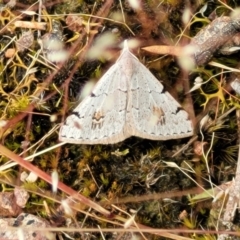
pixel 30 222
pixel 76 114
pixel 179 109
pixel 164 90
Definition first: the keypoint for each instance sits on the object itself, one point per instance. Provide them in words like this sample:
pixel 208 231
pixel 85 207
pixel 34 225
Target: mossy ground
pixel 132 174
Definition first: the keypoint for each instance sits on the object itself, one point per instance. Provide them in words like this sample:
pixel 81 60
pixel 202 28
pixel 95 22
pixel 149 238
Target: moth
pixel 127 101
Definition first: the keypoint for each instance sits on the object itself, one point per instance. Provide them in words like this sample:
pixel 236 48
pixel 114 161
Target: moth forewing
pixel 155 114
pixel 101 115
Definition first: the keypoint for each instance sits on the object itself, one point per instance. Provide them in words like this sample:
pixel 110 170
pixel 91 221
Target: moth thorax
pixel 128 69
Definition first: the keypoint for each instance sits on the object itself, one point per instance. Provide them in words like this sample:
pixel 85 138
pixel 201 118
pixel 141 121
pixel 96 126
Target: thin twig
pixel 234 193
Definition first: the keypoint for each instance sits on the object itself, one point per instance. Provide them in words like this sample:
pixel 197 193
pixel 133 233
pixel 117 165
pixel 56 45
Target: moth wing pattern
pixel 127 101
pixel 100 117
pixel 154 113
